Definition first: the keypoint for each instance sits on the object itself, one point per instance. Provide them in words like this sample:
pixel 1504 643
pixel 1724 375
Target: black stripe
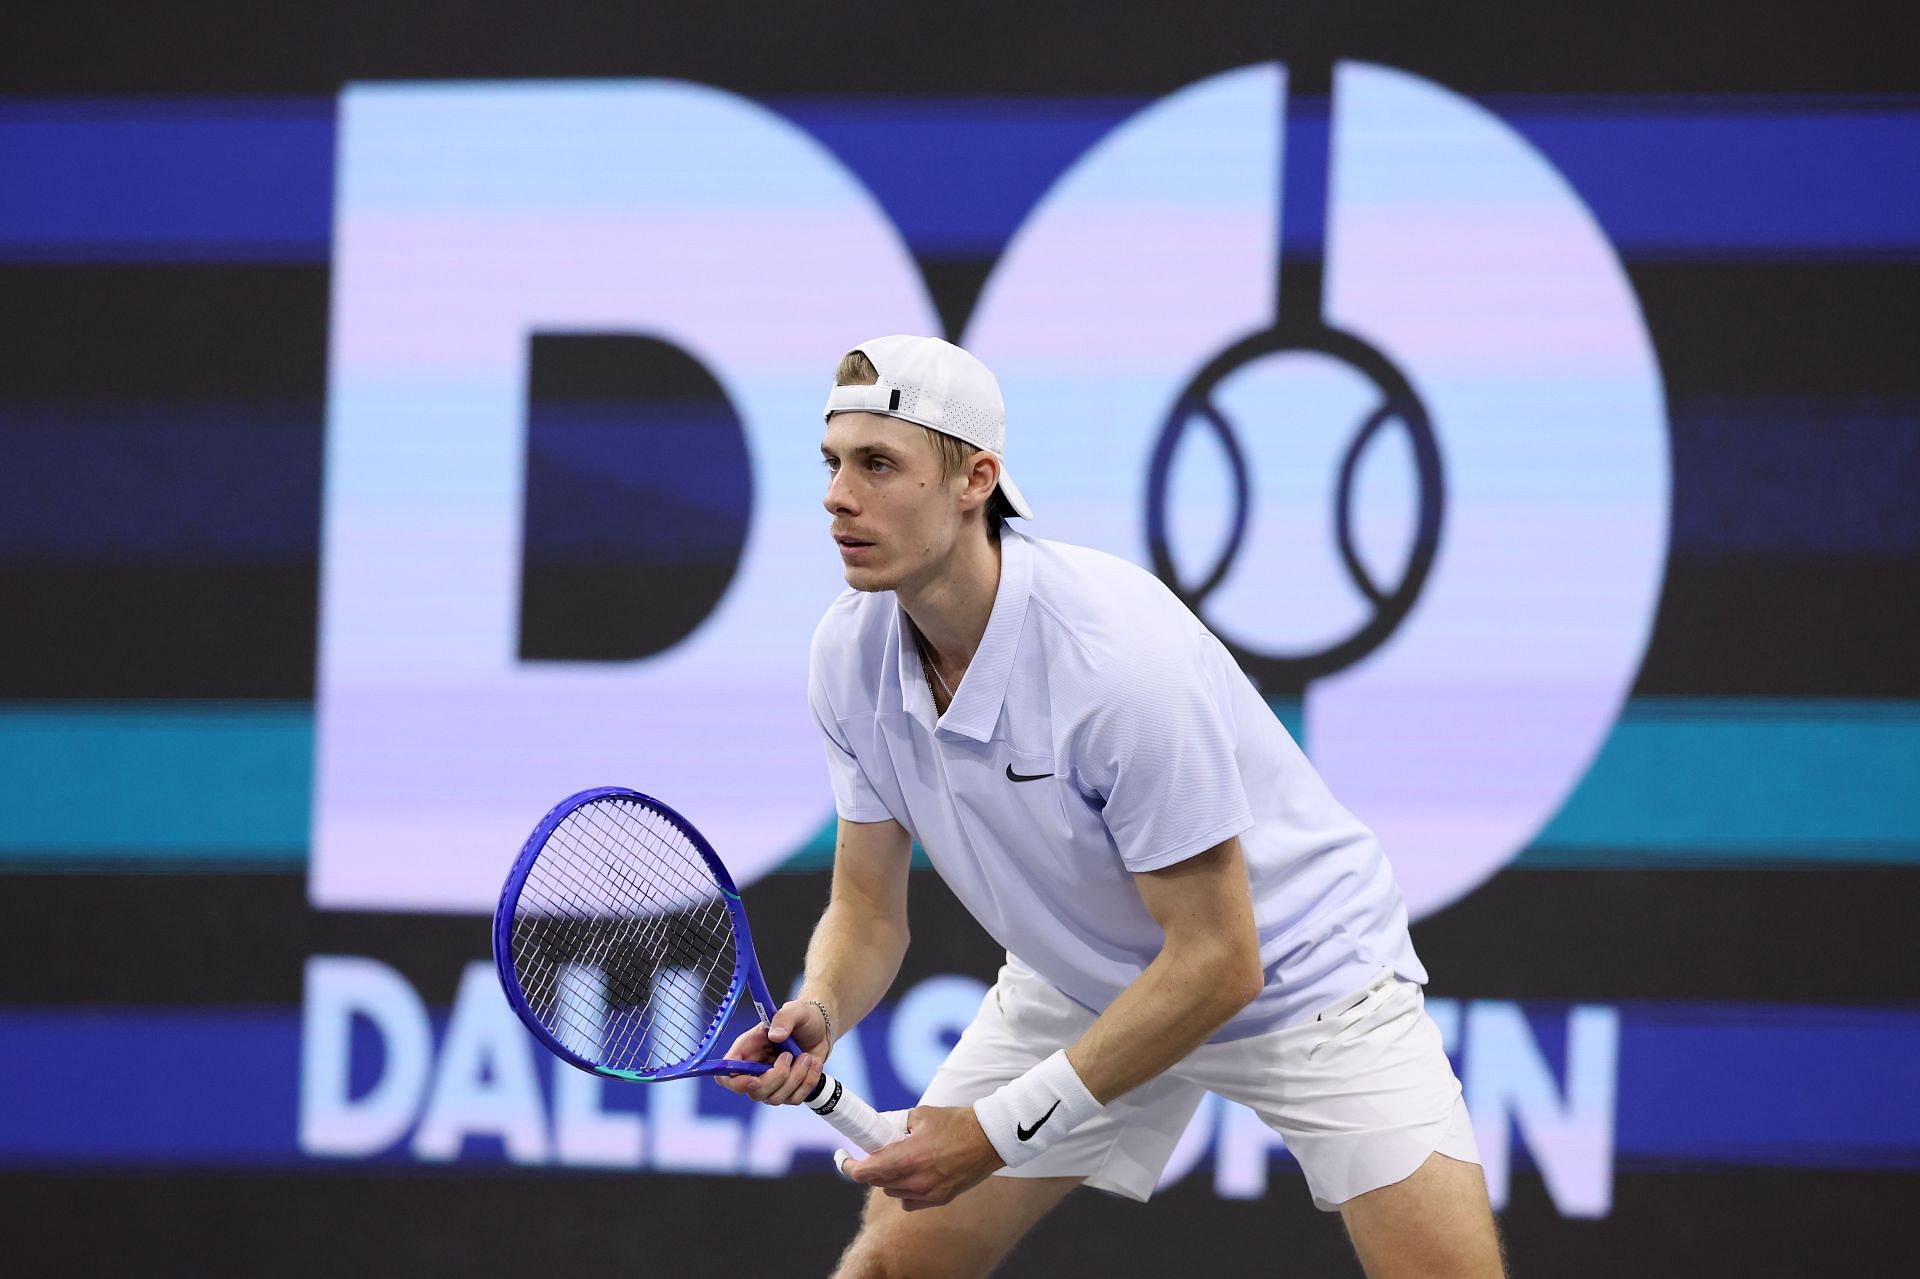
pixel 1840 935
pixel 1732 627
pixel 1724 46
pixel 212 332
pixel 1815 626
pixel 409 1221
pixel 158 631
pixel 1820 936
pixel 1782 328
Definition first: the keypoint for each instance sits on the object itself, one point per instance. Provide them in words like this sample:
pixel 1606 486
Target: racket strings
pixel 622 941
pixel 679 945
pixel 679 978
pixel 702 944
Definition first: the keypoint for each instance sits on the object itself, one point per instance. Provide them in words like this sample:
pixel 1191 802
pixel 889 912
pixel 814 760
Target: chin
pixel 868 580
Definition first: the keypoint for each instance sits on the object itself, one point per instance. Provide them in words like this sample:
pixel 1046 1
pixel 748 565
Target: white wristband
pixel 1025 1116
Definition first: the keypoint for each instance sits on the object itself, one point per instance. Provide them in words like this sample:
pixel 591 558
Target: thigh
pixel 968 1237
pixel 1435 1223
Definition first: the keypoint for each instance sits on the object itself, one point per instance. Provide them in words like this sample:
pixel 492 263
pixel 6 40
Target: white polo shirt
pixel 1101 730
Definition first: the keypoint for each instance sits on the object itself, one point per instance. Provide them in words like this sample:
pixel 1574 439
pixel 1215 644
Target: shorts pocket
pixel 1352 1016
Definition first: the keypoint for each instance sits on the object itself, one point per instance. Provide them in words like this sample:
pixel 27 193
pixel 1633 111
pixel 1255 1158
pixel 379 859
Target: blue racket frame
pixel 747 978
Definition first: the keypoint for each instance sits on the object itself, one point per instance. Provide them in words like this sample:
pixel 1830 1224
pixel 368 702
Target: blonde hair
pixel 857 370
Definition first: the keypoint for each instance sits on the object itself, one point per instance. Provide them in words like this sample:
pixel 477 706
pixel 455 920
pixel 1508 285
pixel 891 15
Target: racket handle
pixel 857 1121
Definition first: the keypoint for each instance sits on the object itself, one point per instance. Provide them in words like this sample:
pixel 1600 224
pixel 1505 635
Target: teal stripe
pixel 1680 782
pixel 1697 781
pixel 113 784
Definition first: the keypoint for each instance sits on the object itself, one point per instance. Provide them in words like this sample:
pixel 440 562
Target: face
pixel 895 519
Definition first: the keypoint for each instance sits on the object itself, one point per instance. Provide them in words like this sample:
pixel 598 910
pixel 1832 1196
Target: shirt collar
pixel 975 708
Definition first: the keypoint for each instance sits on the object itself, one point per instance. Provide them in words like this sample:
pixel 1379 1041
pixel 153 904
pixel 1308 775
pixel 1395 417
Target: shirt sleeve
pixel 853 795
pixel 1160 751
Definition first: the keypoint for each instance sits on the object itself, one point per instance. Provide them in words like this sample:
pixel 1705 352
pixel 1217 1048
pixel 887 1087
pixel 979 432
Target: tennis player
pixel 1184 906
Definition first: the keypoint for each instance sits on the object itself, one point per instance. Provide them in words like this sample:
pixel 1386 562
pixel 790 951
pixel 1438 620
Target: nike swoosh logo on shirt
pixel 1025 1133
pixel 1024 777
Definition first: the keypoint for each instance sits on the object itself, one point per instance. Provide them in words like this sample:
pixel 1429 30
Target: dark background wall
pixel 1731 886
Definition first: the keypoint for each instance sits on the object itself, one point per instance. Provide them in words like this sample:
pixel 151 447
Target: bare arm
pixel 852 960
pixel 862 936
pixel 1207 970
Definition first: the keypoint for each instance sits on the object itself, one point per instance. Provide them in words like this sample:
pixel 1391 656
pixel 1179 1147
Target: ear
pixel 983 476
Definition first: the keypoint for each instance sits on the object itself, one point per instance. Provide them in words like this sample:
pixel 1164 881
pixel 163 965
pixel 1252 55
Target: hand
pixel 793 1077
pixel 944 1153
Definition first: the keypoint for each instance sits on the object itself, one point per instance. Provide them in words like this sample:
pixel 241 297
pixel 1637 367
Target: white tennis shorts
pixel 1361 1093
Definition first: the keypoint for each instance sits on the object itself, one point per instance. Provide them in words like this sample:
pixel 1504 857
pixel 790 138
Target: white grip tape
pixel 1025 1116
pixel 857 1121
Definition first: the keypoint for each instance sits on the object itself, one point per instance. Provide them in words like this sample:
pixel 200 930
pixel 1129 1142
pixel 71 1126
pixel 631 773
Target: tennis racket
pixel 622 943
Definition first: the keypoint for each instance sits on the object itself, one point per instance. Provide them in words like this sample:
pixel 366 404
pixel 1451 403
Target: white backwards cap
pixel 936 384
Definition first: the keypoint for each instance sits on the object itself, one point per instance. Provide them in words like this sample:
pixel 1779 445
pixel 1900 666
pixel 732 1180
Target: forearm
pixel 852 960
pixel 1171 1008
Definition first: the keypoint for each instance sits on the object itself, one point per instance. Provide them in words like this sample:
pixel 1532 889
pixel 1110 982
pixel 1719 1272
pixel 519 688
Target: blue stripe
pixel 250 179
pixel 161 481
pixel 209 482
pixel 661 481
pixel 1738 177
pixel 149 1086
pixel 1706 1084
pixel 1767 1086
pixel 1796 475
pixel 167 179
pixel 1680 782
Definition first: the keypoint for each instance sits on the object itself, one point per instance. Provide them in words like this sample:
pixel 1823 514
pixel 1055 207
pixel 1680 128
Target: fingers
pixel 881 1170
pixel 915 1188
pixel 751 1046
pixel 788 1081
pixel 800 1078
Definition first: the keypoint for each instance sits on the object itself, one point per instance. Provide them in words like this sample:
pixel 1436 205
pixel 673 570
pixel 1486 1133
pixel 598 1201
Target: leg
pixel 1436 1223
pixel 966 1238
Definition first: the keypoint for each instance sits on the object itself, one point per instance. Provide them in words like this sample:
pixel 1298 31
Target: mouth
pixel 851 543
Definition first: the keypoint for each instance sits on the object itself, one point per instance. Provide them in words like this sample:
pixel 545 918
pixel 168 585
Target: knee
pixel 868 1258
pixel 889 1246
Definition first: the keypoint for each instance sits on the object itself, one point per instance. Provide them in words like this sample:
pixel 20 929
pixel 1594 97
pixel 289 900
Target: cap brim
pixel 1015 498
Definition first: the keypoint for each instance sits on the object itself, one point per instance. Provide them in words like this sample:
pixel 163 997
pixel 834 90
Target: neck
pixel 951 610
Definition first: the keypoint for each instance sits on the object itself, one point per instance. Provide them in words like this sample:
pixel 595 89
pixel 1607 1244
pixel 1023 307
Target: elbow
pixel 1234 978
pixel 1220 971
pixel 1244 979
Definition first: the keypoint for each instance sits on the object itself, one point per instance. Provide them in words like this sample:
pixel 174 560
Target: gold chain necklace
pixel 928 669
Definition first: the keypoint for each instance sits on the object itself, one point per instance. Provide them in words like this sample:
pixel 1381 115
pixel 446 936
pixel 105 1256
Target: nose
pixel 839 498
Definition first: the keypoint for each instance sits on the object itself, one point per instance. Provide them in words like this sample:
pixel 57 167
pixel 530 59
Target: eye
pixel 880 464
pixel 832 464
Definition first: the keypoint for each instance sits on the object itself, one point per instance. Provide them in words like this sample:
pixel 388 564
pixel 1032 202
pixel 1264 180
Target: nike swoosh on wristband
pixel 1024 777
pixel 1025 1133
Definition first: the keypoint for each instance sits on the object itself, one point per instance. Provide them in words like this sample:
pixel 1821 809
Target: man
pixel 1184 906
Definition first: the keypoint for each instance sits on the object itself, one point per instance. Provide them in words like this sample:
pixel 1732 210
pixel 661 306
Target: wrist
pixel 985 1156
pixel 1026 1116
pixel 821 999
pixel 826 1020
